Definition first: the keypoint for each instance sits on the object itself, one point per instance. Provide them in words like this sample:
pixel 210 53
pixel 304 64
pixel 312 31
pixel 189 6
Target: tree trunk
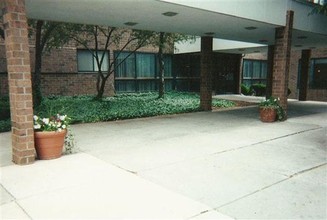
pixel 161 67
pixel 101 82
pixel 36 78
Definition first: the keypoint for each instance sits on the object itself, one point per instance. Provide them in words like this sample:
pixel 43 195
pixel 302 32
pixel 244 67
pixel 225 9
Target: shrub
pixel 246 90
pixel 259 89
pixel 222 103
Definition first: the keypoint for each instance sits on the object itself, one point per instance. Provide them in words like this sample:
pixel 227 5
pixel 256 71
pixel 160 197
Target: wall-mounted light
pixel 263 41
pixel 302 37
pixel 130 23
pixel 251 28
pixel 170 14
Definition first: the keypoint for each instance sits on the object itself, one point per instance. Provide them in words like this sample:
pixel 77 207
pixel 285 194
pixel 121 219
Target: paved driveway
pixel 227 160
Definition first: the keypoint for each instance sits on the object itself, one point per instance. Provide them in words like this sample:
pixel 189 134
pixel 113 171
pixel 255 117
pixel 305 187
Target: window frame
pixel 253 78
pixel 94 64
pixel 138 80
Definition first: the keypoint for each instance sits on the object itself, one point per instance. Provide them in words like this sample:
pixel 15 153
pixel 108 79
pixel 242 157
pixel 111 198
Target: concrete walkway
pixel 207 165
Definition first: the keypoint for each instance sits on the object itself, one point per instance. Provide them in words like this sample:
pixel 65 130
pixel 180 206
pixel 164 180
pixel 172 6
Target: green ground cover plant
pixel 84 109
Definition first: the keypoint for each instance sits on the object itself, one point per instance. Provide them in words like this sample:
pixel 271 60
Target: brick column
pixel 206 75
pixel 19 78
pixel 282 54
pixel 304 77
pixel 270 64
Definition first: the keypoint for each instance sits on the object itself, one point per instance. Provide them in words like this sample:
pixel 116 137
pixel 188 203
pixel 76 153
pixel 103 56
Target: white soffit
pixel 148 14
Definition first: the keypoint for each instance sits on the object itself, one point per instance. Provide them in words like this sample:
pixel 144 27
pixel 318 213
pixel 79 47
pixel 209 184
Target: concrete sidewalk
pixel 214 165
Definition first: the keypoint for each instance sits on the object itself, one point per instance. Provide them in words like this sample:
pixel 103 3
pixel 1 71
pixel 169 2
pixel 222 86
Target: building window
pixel 86 61
pixel 254 71
pixel 138 72
pixel 318 74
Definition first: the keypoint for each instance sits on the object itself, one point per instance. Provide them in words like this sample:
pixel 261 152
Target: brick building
pixel 257 21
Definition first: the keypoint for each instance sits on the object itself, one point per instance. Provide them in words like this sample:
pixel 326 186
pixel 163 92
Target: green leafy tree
pixel 97 40
pixel 320 9
pixel 163 40
pixel 48 35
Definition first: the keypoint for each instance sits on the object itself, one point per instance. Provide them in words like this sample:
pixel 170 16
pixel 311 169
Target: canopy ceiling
pixel 149 15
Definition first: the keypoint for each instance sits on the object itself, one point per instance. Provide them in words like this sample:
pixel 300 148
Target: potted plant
pixel 270 110
pixel 49 135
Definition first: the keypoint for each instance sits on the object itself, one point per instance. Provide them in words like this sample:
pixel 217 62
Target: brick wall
pixel 59 70
pixel 312 94
pixel 70 84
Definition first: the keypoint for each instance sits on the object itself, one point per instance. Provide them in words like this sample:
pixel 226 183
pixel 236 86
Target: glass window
pixel 318 74
pixel 140 69
pixel 146 85
pixel 254 71
pixel 168 66
pixel 125 65
pixel 247 69
pixel 86 61
pixel 145 65
pixel 105 64
pixel 264 70
pixel 125 86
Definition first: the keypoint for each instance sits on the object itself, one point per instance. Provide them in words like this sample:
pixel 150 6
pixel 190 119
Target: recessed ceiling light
pixel 130 23
pixel 298 45
pixel 302 37
pixel 209 33
pixel 169 14
pixel 250 28
pixel 263 41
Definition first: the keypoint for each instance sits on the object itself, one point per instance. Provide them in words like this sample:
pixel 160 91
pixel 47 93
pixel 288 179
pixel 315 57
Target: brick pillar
pixel 281 65
pixel 270 64
pixel 304 77
pixel 206 75
pixel 19 78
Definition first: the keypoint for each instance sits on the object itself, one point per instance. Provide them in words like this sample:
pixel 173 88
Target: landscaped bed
pixel 83 109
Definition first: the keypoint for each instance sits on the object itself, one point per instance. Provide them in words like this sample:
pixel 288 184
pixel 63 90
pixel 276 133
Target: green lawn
pixel 83 109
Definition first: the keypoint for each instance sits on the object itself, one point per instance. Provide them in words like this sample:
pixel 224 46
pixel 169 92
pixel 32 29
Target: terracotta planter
pixel 268 114
pixel 49 144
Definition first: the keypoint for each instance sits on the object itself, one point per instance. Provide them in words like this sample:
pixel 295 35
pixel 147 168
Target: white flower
pixel 63 126
pixel 37 126
pixel 58 125
pixel 35 118
pixel 45 120
pixel 59 130
pixel 62 117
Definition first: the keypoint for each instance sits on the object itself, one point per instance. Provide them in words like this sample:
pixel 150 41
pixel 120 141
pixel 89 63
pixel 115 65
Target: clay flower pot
pixel 268 114
pixel 49 144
